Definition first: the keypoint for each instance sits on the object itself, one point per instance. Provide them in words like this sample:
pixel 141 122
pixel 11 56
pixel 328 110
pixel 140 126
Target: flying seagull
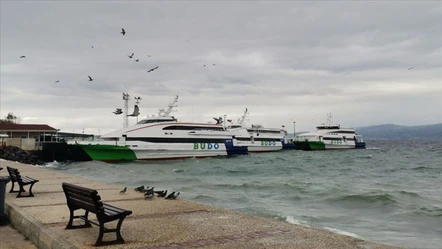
pixel 150 70
pixel 123 191
pixel 90 78
pixel 219 120
pixel 130 56
pixel 137 60
pixel 21 57
pixel 123 32
pixel 118 111
pixel 57 81
pixel 410 68
pixel 92 46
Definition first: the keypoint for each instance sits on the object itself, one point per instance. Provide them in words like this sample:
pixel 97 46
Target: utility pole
pixel 294 129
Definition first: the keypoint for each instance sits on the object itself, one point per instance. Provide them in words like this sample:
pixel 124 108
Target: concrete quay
pixel 154 224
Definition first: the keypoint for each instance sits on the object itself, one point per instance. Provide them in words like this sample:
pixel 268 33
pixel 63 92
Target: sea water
pixel 390 192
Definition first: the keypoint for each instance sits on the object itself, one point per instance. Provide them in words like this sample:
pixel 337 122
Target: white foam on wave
pixel 373 148
pixel 335 230
pixel 292 220
pixel 53 164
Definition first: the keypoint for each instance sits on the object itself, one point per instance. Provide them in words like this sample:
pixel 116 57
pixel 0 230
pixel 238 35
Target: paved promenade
pixel 156 223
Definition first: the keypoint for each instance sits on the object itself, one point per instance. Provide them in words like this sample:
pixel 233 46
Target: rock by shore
pixel 16 154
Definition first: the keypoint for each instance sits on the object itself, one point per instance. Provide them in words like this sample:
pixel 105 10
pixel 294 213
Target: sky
pixel 366 63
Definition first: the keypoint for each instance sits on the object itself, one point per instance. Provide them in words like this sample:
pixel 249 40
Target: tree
pixel 9 119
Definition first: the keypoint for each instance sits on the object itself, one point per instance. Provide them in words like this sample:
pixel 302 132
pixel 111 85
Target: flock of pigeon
pixel 149 193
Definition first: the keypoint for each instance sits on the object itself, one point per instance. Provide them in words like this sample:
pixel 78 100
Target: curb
pixel 35 231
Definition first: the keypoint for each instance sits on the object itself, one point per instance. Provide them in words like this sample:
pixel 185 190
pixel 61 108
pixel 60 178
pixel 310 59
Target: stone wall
pixel 16 154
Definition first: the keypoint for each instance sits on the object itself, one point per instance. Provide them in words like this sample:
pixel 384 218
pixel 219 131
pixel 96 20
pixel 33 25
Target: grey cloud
pixel 291 60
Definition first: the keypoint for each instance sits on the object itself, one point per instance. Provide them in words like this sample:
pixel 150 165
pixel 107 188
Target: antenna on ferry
pixel 167 112
pixel 329 119
pixel 126 110
pixel 137 100
pixel 243 118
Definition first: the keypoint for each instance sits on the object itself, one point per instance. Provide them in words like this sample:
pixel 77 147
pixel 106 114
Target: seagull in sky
pixel 123 32
pixel 150 70
pixel 137 60
pixel 90 78
pixel 21 57
pixel 57 81
pixel 410 68
pixel 130 56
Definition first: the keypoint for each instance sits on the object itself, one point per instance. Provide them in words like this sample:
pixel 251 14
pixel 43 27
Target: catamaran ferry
pixel 257 138
pixel 329 136
pixel 161 137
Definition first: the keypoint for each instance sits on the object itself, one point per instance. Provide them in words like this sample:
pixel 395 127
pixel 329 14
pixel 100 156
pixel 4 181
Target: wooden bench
pixel 22 181
pixel 78 197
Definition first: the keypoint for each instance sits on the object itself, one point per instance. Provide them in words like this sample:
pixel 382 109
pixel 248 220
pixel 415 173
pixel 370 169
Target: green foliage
pixel 9 119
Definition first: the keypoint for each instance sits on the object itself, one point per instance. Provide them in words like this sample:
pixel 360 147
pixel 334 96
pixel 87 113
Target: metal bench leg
pixel 71 219
pixel 83 217
pixel 19 192
pixel 12 188
pixel 30 190
pixel 99 241
pixel 23 190
pixel 119 238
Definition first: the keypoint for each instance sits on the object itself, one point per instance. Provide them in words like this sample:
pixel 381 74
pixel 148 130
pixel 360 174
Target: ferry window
pixel 197 128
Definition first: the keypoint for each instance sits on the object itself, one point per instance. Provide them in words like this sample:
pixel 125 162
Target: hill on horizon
pixel 393 131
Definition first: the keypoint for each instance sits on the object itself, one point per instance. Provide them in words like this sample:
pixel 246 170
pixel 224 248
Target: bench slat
pixel 110 210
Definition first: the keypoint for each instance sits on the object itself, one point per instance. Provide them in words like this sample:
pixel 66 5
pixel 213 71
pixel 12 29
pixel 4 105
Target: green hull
pixel 312 145
pixel 105 152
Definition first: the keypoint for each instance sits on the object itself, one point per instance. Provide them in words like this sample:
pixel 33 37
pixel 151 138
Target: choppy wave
pixel 373 148
pixel 338 231
pixel 429 211
pixel 366 198
pixel 291 219
pixel 204 198
pixel 346 192
pixel 53 164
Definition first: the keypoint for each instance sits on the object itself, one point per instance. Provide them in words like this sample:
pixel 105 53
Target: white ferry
pixel 160 137
pixel 329 136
